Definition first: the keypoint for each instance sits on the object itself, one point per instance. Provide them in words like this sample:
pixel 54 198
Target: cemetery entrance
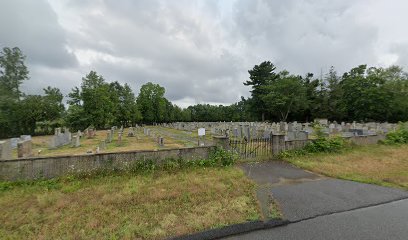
pixel 252 147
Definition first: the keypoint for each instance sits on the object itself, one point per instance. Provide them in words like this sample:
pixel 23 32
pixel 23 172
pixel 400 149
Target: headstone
pixel 60 139
pixel 24 149
pixel 14 142
pixel 109 136
pixel 120 138
pixel 131 132
pixel 91 133
pixel 290 127
pixel 5 150
pixel 267 134
pixel 235 132
pixel 282 127
pixel 302 135
pixel 290 136
pixel 102 145
pixel 75 142
pixel 160 141
pixel 25 137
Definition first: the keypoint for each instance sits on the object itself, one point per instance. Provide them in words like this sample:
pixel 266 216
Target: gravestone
pixel 5 150
pixel 24 149
pixel 267 134
pixel 25 137
pixel 235 132
pixel 282 127
pixel 109 136
pixel 120 138
pixel 102 145
pixel 290 127
pixel 60 139
pixel 290 136
pixel 131 132
pixel 14 142
pixel 91 133
pixel 302 135
pixel 160 141
pixel 75 141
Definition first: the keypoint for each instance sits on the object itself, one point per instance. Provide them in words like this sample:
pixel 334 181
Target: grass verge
pixel 127 206
pixel 377 164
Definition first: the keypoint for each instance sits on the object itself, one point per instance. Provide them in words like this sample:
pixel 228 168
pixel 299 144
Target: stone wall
pixel 366 140
pixel 49 167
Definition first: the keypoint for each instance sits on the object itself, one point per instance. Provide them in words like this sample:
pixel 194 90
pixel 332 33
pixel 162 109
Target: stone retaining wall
pixel 49 167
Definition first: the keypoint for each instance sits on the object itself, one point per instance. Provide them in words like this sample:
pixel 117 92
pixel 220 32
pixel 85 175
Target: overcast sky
pixel 200 51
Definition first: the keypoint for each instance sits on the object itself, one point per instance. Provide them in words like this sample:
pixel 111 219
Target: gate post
pixel 278 143
pixel 222 141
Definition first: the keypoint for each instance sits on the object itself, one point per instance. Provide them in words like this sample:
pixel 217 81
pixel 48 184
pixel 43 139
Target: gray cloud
pixel 33 27
pixel 199 51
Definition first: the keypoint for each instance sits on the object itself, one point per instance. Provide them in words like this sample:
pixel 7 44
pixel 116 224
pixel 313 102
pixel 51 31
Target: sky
pixel 200 51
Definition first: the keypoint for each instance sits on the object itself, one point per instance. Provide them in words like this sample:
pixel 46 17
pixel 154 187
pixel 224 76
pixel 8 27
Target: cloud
pixel 200 51
pixel 33 27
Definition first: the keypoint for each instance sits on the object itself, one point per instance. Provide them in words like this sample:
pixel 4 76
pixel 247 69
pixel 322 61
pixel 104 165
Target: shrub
pixel 222 157
pixel 399 136
pixel 325 144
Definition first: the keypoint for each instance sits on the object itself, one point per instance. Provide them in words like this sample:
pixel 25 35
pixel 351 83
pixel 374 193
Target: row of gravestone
pixel 23 145
pixel 292 130
pixel 156 136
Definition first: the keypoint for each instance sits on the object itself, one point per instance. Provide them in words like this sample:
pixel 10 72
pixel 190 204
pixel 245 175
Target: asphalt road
pixel 385 221
pixel 324 208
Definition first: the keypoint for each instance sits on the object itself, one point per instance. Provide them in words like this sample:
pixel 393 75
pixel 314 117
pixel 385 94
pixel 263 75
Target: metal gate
pixel 252 148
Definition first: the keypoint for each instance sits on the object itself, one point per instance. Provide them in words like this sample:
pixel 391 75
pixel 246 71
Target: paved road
pixel 324 208
pixel 386 221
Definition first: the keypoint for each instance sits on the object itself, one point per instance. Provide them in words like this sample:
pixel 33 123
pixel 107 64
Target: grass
pixel 139 142
pixel 376 164
pixel 147 206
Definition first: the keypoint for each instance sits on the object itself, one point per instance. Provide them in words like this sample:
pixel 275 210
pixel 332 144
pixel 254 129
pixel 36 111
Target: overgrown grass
pixel 154 205
pixel 145 200
pixel 377 164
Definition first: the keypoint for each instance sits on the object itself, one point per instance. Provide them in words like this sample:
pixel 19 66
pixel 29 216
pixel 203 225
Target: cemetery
pixel 177 135
pixel 203 120
pixel 51 156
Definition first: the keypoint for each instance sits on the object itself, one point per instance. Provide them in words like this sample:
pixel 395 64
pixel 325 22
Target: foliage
pixel 222 157
pixel 12 72
pixel 285 95
pixel 361 94
pixel 260 77
pixel 152 102
pixel 322 144
pixel 334 144
pixel 399 136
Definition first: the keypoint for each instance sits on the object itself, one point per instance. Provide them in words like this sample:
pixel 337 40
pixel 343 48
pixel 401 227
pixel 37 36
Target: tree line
pixel 362 94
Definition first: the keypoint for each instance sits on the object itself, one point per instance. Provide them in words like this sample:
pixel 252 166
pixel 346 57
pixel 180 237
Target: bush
pixel 319 145
pixel 325 144
pixel 222 157
pixel 399 136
